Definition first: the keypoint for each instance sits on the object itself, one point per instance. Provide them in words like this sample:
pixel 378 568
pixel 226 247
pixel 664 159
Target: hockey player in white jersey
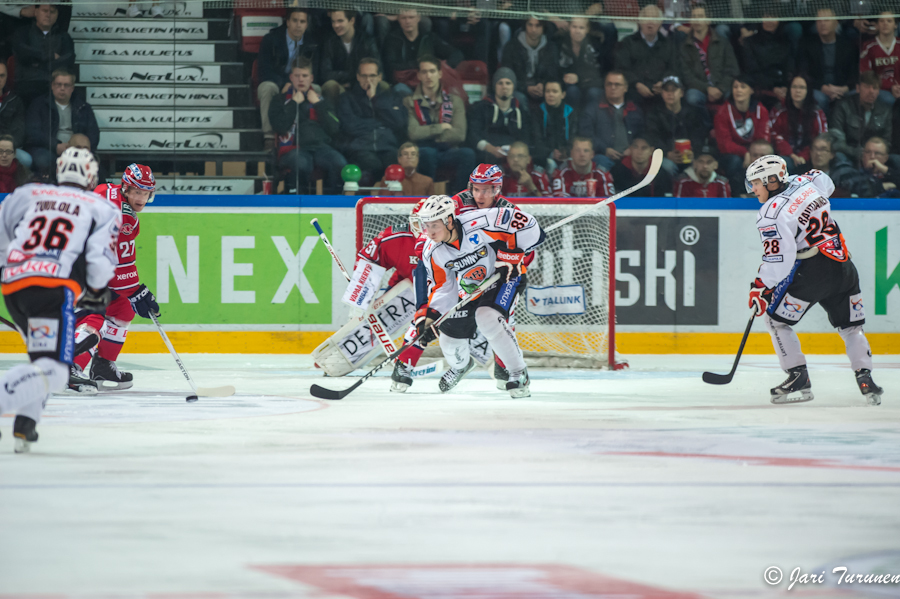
pixel 805 261
pixel 57 247
pixel 460 255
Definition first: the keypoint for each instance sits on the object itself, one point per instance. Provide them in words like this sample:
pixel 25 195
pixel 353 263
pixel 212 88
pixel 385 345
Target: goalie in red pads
pixel 101 336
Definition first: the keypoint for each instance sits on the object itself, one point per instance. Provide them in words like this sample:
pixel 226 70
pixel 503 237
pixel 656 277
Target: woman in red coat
pixel 800 120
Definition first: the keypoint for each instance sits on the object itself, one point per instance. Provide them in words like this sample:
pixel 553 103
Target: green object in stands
pixel 351 174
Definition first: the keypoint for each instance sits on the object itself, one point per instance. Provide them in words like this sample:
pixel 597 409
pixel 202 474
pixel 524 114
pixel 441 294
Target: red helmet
pixel 486 174
pixel 140 176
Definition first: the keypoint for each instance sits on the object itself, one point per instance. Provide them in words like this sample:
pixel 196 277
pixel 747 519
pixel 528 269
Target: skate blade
pixel 22 446
pixel 805 395
pixel 399 387
pixel 873 399
pixel 86 390
pixel 114 386
pixel 520 393
pixel 501 384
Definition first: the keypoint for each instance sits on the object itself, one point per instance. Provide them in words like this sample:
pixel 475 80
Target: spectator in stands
pixel 741 121
pixel 277 52
pixel 415 184
pixel 799 120
pixel 836 166
pixel 829 60
pixel 895 142
pixel 555 123
pixel 40 49
pixel 631 169
pixel 533 58
pixel 404 48
pixel 496 122
pixel 12 172
pixel 342 53
pixel 882 56
pixel 880 174
pixel 11 17
pixel 571 179
pixel 646 58
pixel 437 122
pixel 585 56
pixel 768 61
pixel 612 124
pixel 677 121
pixel 303 115
pixel 700 180
pixel 520 178
pixel 373 119
pixel 12 118
pixel 859 117
pixel 49 127
pixel 708 62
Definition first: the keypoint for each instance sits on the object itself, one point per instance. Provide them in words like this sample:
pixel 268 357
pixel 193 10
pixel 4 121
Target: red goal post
pixel 566 314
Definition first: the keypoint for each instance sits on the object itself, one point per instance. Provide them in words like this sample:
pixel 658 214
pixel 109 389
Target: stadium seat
pixel 255 23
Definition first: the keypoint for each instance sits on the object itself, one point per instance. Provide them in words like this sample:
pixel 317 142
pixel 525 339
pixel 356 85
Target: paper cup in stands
pixel 683 146
pixel 591 188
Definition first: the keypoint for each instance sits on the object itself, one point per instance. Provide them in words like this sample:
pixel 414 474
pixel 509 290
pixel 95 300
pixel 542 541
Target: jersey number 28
pixel 55 239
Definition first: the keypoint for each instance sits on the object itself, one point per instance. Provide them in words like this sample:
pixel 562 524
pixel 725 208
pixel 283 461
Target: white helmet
pixel 437 208
pixel 77 166
pixel 765 167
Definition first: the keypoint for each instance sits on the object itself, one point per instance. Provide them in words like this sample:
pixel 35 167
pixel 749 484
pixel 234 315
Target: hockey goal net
pixel 566 315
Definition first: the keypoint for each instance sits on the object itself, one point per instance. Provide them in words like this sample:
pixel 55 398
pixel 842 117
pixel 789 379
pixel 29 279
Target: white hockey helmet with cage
pixel 438 207
pixel 77 166
pixel 765 167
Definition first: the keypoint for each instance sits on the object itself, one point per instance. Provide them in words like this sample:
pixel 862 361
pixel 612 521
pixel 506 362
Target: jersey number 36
pixel 55 239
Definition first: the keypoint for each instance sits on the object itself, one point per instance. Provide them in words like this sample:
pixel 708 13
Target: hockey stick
pixel 323 393
pixel 9 324
pixel 723 379
pixel 225 391
pixel 315 222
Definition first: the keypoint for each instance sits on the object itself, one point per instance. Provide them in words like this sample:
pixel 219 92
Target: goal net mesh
pixel 563 317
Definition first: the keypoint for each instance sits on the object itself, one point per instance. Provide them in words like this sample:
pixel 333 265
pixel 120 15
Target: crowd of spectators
pixel 711 96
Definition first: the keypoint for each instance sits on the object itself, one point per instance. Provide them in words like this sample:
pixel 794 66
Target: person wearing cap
pixel 677 121
pixel 532 57
pixel 499 120
pixel 708 62
pixel 700 180
pixel 631 169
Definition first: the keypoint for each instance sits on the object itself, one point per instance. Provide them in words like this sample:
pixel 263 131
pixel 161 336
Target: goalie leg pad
pixel 501 337
pixel 786 343
pixel 857 346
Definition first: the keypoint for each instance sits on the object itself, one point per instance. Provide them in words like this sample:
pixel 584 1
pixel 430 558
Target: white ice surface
pixel 647 476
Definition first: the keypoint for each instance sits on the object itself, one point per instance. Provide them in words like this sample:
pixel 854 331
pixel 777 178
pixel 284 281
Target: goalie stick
pixel 723 379
pixel 225 391
pixel 315 222
pixel 323 393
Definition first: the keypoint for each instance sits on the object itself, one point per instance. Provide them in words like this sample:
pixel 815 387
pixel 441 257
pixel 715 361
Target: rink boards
pixel 247 274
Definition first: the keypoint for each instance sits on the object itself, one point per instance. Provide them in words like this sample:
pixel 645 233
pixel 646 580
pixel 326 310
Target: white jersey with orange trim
pixel 796 220
pixel 469 260
pixel 57 235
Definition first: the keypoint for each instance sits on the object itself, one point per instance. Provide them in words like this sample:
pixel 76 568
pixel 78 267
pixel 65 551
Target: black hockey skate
pixel 868 388
pixel 453 376
pixel 106 371
pixel 401 378
pixel 795 389
pixel 518 386
pixel 87 344
pixel 501 375
pixel 79 383
pixel 24 433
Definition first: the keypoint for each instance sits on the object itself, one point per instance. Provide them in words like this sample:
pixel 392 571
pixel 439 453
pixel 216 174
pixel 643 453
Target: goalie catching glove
pixel 423 320
pixel 760 296
pixel 144 302
pixel 510 264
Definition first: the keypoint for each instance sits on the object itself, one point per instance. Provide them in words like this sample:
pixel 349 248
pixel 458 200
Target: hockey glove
pixel 423 320
pixel 510 264
pixel 144 302
pixel 95 301
pixel 760 297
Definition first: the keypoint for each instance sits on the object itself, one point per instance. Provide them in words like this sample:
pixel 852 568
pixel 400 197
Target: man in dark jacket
pixel 12 118
pixel 708 62
pixel 532 57
pixel 40 49
pixel 631 169
pixel 277 51
pixel 829 60
pixel 554 126
pixel 307 125
pixel 496 122
pixel 861 116
pixel 612 124
pixel 646 57
pixel 404 47
pixel 373 120
pixel 339 65
pixel 769 61
pixel 51 122
pixel 677 120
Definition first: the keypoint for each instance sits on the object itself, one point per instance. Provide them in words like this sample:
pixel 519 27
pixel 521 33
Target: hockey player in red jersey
pixel 395 247
pixel 107 331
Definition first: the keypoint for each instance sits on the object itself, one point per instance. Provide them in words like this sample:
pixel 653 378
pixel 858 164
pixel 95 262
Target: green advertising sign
pixel 242 268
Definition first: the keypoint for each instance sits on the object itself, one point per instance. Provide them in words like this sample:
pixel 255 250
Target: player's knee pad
pixel 115 330
pixel 56 373
pixel 492 323
pixel 456 351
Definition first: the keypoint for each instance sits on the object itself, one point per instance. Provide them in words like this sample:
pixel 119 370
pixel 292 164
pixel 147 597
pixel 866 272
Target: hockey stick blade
pixel 723 379
pixel 225 391
pixel 323 393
